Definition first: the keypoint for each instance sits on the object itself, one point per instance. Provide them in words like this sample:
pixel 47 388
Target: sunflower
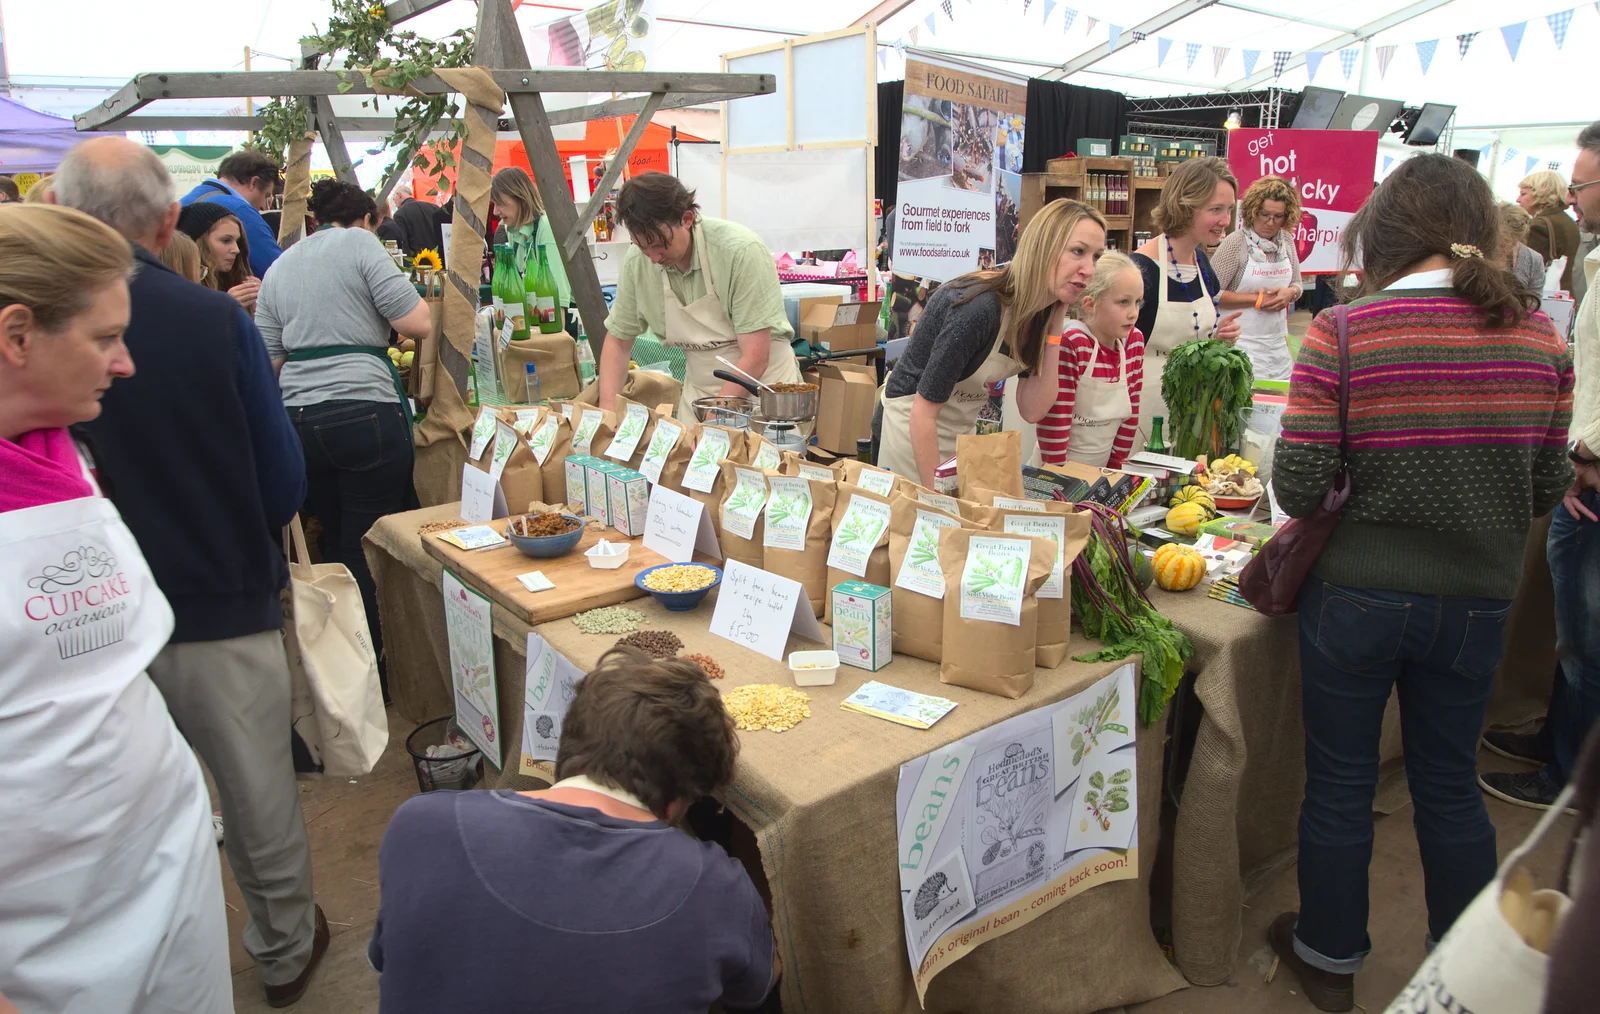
pixel 428 258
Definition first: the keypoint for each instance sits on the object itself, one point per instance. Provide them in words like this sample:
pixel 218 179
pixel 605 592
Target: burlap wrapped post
pixel 296 188
pixel 485 101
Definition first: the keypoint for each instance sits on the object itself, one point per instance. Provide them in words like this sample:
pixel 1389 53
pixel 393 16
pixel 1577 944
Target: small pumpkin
pixel 1193 494
pixel 1186 518
pixel 1178 568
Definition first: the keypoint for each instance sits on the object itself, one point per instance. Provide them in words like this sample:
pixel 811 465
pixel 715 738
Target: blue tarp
pixel 31 141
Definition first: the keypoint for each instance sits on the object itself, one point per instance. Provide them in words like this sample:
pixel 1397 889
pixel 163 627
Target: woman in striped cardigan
pixel 1460 392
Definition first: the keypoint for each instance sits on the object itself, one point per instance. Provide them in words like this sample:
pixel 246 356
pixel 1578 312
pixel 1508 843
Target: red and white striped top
pixel 1055 429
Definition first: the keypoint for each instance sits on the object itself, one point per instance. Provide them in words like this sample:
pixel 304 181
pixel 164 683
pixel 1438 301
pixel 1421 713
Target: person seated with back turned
pixel 583 896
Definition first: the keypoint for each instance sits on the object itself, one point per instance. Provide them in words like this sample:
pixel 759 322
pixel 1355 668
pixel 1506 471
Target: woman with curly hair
pixel 1552 233
pixel 1260 274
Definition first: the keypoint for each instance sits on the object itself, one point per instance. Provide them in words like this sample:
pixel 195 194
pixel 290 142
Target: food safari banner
pixel 1001 827
pixel 960 165
pixel 1333 170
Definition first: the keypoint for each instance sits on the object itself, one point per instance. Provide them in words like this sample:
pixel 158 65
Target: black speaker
pixel 1468 155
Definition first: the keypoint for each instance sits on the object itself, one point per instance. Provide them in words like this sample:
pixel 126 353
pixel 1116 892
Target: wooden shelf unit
pixel 1070 178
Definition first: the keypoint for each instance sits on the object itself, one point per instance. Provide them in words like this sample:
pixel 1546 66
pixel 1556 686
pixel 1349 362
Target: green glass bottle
pixel 516 311
pixel 497 285
pixel 1156 444
pixel 540 286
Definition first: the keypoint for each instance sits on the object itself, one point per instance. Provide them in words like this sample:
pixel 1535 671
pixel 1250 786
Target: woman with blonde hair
pixel 110 889
pixel 224 251
pixel 183 256
pixel 1552 233
pixel 1260 274
pixel 524 225
pixel 1522 261
pixel 984 327
pixel 1181 289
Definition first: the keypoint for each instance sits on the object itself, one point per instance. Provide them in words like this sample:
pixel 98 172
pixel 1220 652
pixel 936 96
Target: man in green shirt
pixel 703 284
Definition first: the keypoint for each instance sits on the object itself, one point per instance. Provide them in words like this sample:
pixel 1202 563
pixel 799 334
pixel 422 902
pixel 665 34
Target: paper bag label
pixel 863 522
pixel 788 513
pixel 505 441
pixel 767 456
pixel 661 444
pixel 993 578
pixel 1054 528
pixel 817 472
pixel 482 433
pixel 744 504
pixel 527 418
pixel 875 480
pixel 566 411
pixel 702 471
pixel 629 430
pixel 1011 503
pixel 583 432
pixel 541 440
pixel 948 504
pixel 920 571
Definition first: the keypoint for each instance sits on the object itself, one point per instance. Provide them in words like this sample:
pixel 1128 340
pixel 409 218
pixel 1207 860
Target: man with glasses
pixel 1573 548
pixel 245 184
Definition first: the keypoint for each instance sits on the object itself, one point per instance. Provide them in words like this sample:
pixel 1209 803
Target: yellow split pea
pixel 680 579
pixel 767 706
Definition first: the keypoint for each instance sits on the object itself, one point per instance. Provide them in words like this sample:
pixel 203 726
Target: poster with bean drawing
pixel 1002 826
pixel 471 637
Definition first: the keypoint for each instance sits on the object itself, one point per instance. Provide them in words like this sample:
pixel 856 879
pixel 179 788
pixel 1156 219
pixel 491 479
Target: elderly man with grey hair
pixel 197 452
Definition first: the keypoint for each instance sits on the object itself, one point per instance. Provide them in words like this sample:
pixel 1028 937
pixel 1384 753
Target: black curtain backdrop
pixel 886 174
pixel 1059 114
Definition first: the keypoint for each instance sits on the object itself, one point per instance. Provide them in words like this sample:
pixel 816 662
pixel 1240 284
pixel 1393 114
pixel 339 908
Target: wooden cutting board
pixel 578 586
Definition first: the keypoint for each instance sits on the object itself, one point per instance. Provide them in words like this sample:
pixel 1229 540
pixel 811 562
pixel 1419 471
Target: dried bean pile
pixel 709 664
pixel 441 526
pixel 680 578
pixel 655 643
pixel 609 620
pixel 767 706
pixel 537 525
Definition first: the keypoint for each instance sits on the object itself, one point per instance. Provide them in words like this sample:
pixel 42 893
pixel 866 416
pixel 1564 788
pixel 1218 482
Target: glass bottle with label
pixel 586 365
pixel 514 298
pixel 540 287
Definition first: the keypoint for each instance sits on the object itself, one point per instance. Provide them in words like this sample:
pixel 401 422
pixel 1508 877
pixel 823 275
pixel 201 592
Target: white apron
pixel 1098 412
pixel 957 416
pixel 110 886
pixel 1264 334
pixel 704 331
pixel 1174 325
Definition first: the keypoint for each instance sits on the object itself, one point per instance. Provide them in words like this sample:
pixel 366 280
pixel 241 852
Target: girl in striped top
pixel 1096 414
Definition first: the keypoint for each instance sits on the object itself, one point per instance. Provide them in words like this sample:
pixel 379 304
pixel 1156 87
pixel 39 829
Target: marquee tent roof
pixel 31 141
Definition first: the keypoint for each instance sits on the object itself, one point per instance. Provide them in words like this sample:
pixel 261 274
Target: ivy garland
pixel 372 47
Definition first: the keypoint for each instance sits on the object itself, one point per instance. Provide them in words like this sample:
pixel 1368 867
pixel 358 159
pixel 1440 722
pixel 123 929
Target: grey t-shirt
pixel 335 287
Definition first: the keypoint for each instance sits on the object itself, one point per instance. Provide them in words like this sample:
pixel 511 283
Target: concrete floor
pixel 346 819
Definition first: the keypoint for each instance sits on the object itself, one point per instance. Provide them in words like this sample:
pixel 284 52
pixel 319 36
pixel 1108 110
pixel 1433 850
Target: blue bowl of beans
pixel 679 586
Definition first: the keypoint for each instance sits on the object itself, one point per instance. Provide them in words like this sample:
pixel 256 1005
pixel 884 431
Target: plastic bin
pixel 443 759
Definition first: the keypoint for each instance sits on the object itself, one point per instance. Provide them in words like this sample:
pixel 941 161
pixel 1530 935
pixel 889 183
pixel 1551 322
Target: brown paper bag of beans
pixel 991 609
pixel 990 460
pixel 1055 520
pixel 550 441
pixel 870 478
pixel 702 477
pixel 859 547
pixel 644 386
pixel 796 464
pixel 523 480
pixel 917 591
pixel 744 500
pixel 635 423
pixel 763 453
pixel 592 430
pixel 797 524
pixel 928 498
pixel 667 455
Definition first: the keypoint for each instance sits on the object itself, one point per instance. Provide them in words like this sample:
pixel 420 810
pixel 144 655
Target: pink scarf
pixel 40 467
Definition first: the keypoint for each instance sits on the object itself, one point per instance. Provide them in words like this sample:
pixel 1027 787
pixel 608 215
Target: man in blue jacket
pixel 199 456
pixel 245 184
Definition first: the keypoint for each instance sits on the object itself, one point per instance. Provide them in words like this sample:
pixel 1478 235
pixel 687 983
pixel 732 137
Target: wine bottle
pixel 1156 445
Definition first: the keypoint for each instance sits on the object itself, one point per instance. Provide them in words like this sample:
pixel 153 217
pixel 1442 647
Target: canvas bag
pixel 1055 614
pixel 1271 580
pixel 990 460
pixel 554 356
pixel 877 571
pixel 1486 961
pixel 647 387
pixel 735 546
pixel 918 618
pixel 337 701
pixel 425 364
pixel 809 566
pixel 997 658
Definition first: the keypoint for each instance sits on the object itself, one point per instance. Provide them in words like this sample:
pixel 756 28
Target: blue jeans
pixel 1574 553
pixel 1357 645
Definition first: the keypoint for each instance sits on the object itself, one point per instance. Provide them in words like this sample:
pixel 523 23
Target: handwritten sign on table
pixel 676 525
pixel 481 497
pixel 757 610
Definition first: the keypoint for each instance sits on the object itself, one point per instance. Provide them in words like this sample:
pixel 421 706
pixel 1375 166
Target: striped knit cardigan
pixel 1457 440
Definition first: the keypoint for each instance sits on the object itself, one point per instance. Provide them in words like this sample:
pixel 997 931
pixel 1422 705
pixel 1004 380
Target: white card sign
pixel 470 632
pixel 758 610
pixel 676 526
pixel 481 497
pixel 550 684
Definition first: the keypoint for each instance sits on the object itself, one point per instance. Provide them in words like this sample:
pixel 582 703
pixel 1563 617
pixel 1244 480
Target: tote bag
pixel 1271 580
pixel 337 701
pixel 1485 963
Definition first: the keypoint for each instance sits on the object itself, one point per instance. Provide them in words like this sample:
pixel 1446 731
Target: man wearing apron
pixel 704 285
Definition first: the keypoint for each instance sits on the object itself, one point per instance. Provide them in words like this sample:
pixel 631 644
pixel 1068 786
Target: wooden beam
pixel 332 138
pixel 881 13
pixel 597 200
pixel 352 124
pixel 401 10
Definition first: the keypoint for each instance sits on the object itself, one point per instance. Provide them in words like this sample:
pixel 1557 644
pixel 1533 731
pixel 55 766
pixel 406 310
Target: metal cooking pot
pixel 733 413
pixel 784 406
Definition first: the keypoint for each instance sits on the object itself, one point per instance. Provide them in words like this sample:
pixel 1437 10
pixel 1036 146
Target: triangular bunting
pixel 1387 162
pixel 883 59
pixel 1250 58
pixel 1280 60
pixel 1533 160
pixel 1313 62
pixel 1025 5
pixel 1425 51
pixel 913 34
pixel 1385 54
pixel 1068 16
pixel 1464 42
pixel 900 48
pixel 1513 36
pixel 1191 50
pixel 1485 150
pixel 1116 36
pixel 1347 61
pixel 1163 47
pixel 1558 25
pixel 1511 153
pixel 932 25
pixel 1049 5
pixel 1218 54
pixel 1139 36
pixel 1088 29
pixel 949 11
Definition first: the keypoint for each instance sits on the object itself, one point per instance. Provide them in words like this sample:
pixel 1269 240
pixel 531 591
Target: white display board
pixel 800 200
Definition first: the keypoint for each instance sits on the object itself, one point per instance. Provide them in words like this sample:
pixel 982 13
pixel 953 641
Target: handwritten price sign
pixel 757 610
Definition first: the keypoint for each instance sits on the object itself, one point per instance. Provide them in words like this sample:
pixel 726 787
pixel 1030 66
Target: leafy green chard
pixel 1207 384
pixel 1112 609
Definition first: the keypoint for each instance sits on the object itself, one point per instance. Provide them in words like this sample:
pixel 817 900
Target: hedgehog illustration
pixel 545 726
pixel 933 890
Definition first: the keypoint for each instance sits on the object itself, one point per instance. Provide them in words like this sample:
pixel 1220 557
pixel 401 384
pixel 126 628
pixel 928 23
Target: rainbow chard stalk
pixel 1112 609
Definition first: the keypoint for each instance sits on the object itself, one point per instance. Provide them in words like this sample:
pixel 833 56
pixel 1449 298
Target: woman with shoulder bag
pixel 1459 395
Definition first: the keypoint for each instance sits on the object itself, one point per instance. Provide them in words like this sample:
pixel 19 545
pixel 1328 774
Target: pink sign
pixel 1333 170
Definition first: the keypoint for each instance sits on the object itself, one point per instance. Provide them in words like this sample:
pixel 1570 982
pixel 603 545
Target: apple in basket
pixel 1305 235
